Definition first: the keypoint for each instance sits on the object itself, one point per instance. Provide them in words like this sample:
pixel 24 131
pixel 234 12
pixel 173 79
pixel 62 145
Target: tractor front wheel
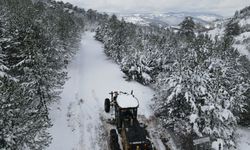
pixel 107 105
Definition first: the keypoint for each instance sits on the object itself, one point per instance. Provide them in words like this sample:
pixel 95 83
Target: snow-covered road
pixel 92 75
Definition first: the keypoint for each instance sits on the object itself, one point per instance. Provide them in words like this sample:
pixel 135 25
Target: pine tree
pixel 187 28
pixel 232 29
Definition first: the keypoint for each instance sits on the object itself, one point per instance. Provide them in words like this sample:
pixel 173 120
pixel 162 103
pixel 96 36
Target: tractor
pixel 133 134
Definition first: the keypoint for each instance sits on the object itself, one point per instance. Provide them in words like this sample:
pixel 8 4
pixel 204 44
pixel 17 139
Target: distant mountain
pixel 170 18
pixel 242 39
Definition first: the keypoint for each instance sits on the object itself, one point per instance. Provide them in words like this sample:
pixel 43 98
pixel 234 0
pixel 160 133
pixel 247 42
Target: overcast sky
pixel 221 7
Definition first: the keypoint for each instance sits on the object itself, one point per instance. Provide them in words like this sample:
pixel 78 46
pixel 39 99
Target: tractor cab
pixel 125 106
pixel 125 110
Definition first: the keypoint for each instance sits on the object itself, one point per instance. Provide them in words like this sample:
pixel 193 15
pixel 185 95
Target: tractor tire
pixel 107 105
pixel 113 141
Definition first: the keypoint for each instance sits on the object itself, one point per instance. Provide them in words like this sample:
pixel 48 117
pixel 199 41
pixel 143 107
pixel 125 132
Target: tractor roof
pixel 125 100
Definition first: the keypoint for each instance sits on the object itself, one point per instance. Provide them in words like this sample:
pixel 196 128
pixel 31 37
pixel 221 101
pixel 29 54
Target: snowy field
pixel 92 75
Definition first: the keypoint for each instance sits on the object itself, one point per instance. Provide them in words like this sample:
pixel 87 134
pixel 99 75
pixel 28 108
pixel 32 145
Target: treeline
pixel 37 40
pixel 201 83
pixel 239 27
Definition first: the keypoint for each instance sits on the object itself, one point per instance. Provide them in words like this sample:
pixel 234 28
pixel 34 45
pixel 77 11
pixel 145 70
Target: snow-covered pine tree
pixel 232 28
pixel 205 94
pixel 245 115
pixel 34 51
pixel 3 38
pixel 24 112
pixel 187 28
pixel 200 83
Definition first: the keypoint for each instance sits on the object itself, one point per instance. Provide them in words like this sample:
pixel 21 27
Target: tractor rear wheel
pixel 107 105
pixel 113 141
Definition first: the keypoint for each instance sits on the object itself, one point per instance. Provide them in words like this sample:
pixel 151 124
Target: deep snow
pixel 92 75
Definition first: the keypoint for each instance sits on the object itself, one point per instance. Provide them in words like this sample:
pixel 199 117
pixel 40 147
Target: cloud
pixel 222 7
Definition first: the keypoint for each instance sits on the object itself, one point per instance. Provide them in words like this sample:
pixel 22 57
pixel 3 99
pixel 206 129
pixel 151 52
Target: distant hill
pixel 241 40
pixel 170 18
